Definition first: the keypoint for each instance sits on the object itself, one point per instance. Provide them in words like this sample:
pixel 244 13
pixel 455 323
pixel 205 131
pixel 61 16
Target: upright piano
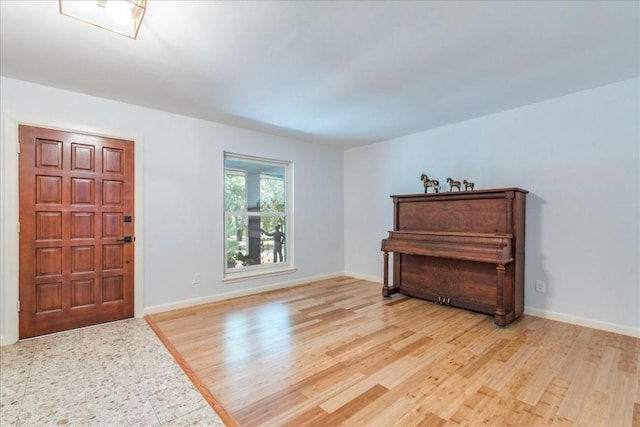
pixel 464 249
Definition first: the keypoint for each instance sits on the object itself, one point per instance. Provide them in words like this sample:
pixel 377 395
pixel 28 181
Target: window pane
pixel 236 241
pixel 272 193
pixel 235 191
pixel 274 242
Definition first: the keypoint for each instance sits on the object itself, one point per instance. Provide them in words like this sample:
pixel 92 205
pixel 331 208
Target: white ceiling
pixel 343 73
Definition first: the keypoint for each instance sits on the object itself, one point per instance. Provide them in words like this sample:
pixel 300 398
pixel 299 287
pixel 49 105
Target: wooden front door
pixel 76 230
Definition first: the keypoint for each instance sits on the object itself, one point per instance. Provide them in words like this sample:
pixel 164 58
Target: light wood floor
pixel 334 353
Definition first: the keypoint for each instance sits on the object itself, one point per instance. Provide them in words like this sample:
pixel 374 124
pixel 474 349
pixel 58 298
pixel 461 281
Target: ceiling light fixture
pixel 120 16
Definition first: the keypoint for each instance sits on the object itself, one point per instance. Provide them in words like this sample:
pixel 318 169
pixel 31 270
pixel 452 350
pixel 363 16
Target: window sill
pixel 256 274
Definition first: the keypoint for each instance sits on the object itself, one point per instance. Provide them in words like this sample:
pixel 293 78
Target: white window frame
pixel 267 269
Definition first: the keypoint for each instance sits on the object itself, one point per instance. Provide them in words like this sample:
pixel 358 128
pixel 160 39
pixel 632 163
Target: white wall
pixel 578 156
pixel 182 184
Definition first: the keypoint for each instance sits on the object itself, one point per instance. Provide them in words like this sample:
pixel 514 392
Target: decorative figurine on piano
pixel 453 184
pixel 430 183
pixel 468 185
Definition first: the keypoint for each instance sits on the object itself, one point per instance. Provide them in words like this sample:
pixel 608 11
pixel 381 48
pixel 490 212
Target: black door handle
pixel 125 239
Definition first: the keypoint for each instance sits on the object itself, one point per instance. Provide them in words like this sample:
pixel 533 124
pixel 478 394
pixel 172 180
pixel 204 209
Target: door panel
pixel 75 192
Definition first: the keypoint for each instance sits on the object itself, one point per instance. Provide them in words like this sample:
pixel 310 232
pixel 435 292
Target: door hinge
pixel 18 147
pixel 18 226
pixel 18 306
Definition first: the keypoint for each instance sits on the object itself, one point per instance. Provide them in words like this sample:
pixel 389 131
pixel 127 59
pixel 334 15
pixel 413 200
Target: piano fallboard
pixel 495 248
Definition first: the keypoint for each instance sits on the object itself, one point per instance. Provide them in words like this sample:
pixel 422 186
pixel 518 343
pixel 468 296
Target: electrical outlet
pixel 541 286
pixel 196 278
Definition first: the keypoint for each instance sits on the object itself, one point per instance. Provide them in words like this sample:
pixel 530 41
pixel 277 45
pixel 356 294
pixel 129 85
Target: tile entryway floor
pixel 116 374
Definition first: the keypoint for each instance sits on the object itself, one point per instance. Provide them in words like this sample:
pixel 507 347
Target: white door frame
pixel 9 216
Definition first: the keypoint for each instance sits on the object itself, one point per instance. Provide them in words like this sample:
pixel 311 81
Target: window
pixel 257 216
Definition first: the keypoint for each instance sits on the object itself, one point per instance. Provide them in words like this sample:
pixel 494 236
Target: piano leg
pixel 500 318
pixel 385 278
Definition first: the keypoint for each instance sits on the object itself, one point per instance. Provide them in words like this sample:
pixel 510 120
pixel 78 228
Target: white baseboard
pixel 545 314
pixel 236 294
pixel 377 280
pixel 582 321
pixel 560 317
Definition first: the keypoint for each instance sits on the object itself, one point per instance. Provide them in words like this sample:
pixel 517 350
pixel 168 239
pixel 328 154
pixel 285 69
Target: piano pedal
pixel 443 301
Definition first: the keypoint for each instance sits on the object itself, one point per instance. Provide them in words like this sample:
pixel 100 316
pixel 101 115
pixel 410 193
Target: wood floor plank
pixel 334 353
pixel 622 410
pixel 360 403
pixel 577 392
pixel 542 377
